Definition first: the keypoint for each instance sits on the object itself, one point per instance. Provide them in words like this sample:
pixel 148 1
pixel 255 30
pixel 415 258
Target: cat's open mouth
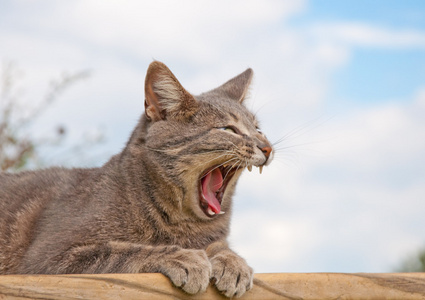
pixel 212 186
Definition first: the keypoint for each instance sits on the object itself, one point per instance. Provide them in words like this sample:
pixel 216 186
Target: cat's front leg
pixel 189 269
pixel 230 272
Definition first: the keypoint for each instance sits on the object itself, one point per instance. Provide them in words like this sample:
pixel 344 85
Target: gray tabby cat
pixel 162 205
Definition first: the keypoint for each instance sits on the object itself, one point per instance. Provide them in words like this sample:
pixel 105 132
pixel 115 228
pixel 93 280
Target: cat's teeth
pixel 261 169
pixel 249 168
pixel 211 213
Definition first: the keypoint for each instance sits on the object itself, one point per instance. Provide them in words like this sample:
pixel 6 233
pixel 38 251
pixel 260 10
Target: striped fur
pixel 141 211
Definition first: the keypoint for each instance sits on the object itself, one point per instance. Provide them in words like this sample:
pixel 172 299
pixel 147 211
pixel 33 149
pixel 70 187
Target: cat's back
pixel 28 192
pixel 30 186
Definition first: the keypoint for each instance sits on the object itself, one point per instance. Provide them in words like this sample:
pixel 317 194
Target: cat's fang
pixel 210 212
pixel 221 213
pixel 261 169
pixel 249 168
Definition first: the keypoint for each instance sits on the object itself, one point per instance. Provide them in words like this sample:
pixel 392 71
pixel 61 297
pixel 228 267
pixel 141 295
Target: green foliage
pixel 414 263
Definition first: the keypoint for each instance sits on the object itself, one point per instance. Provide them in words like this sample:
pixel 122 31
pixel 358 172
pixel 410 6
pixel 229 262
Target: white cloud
pixel 272 243
pixel 379 137
pixel 360 34
pixel 191 30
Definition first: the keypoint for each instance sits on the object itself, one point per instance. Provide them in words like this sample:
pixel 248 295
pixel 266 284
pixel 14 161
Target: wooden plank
pixel 266 286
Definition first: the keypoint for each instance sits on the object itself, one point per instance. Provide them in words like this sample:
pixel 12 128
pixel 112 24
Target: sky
pixel 340 83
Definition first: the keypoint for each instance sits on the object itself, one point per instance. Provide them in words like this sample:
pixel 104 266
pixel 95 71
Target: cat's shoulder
pixel 44 177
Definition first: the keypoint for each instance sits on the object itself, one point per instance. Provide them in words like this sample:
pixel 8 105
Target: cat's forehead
pixel 224 109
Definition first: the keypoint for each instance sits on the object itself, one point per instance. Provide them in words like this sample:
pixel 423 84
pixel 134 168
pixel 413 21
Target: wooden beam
pixel 266 286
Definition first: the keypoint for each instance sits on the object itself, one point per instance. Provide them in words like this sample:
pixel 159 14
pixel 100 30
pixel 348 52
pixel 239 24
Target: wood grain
pixel 266 286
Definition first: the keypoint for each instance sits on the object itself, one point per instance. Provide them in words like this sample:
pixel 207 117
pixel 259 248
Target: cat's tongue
pixel 211 183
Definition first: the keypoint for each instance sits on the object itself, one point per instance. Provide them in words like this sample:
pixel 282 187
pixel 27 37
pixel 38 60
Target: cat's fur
pixel 143 210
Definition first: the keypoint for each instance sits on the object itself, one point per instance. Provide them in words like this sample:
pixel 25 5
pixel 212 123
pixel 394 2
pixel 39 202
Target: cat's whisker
pixel 302 129
pixel 230 153
pixel 282 148
pixel 238 162
pixel 231 169
pixel 225 154
pixel 218 166
pixel 299 131
pixel 247 165
pixel 218 157
pixel 240 165
pixel 225 163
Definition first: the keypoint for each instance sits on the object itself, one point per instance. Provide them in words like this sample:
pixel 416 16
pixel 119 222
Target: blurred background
pixel 340 85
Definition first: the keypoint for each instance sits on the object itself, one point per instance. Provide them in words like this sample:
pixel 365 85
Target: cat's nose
pixel 266 151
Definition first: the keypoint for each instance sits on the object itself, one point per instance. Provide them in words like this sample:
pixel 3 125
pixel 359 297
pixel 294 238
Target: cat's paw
pixel 231 274
pixel 188 269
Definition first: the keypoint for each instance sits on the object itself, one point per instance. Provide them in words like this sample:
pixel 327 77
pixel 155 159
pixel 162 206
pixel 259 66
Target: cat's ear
pixel 165 96
pixel 237 87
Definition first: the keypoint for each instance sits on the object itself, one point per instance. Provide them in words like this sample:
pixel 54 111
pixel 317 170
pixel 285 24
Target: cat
pixel 162 205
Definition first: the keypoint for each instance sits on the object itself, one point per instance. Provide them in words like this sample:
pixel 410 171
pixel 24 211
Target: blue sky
pixel 344 81
pixel 392 13
pixel 376 74
pixel 393 73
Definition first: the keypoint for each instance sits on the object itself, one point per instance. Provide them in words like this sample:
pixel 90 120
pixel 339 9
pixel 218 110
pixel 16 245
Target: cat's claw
pixel 261 169
pixel 231 275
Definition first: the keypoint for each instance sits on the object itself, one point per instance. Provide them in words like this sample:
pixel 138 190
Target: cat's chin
pixel 212 186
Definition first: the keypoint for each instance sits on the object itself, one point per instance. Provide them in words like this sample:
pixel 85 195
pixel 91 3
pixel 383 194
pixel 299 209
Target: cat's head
pixel 201 143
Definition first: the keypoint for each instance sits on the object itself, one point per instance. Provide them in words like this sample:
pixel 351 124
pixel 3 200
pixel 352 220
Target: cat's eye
pixel 229 129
